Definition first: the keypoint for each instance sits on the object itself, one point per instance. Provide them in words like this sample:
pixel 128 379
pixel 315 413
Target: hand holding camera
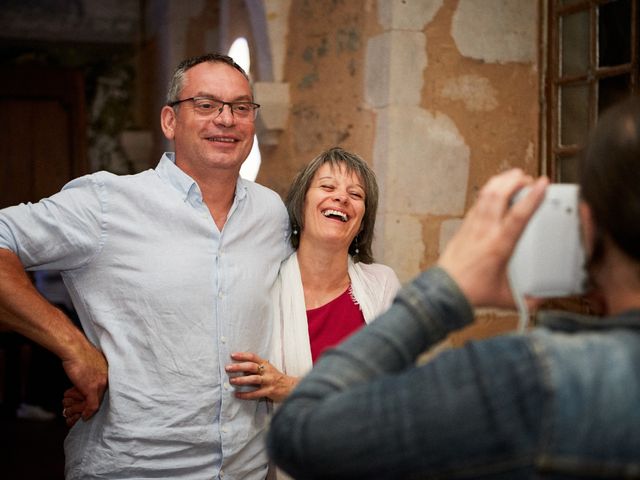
pixel 478 255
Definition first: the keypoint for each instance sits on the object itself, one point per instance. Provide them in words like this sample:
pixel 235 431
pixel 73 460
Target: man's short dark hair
pixel 177 80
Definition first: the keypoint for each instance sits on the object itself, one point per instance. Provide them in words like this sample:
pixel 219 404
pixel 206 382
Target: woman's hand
pixel 73 404
pixel 253 371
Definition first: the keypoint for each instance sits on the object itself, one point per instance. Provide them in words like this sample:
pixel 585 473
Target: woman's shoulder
pixel 377 270
pixel 375 267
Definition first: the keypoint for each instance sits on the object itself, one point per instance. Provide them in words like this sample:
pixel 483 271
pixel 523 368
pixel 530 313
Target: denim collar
pixel 573 322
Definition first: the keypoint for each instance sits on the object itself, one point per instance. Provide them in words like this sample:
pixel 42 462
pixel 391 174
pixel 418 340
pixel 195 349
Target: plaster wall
pixel 323 64
pixel 438 95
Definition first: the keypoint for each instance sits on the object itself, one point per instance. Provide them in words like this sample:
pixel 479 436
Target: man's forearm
pixel 24 310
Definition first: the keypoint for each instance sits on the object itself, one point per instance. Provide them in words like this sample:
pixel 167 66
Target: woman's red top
pixel 331 323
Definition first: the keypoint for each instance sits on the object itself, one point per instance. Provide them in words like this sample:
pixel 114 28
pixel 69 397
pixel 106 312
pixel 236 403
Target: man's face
pixel 218 141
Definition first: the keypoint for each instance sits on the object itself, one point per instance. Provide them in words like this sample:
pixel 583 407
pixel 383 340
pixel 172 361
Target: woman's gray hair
pixel 337 157
pixel 177 80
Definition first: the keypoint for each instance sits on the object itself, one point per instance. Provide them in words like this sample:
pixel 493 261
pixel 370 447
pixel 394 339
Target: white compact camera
pixel 549 258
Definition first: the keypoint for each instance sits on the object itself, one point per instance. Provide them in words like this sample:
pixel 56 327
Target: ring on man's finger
pixel 261 369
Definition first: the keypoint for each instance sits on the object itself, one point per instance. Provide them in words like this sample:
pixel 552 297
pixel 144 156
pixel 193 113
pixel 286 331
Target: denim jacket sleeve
pixel 367 411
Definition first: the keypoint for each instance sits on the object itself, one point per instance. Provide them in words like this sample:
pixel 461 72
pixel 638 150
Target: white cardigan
pixel 373 285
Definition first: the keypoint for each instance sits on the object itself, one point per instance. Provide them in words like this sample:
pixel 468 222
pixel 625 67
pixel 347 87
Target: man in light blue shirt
pixel 170 272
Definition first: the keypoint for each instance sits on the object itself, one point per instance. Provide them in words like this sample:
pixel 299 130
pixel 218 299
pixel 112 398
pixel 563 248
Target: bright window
pixel 239 51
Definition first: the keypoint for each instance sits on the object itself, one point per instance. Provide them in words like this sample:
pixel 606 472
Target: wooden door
pixel 42 132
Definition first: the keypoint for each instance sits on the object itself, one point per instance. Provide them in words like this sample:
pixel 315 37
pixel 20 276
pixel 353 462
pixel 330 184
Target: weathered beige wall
pixel 324 66
pixel 438 95
pixel 483 75
pixel 479 92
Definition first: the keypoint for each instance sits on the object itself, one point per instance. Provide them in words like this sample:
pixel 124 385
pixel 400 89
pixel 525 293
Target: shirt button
pixel 223 339
pixel 219 294
pixel 224 430
pixel 226 387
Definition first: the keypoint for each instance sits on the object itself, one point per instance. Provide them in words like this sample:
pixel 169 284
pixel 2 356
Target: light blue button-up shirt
pixel 167 297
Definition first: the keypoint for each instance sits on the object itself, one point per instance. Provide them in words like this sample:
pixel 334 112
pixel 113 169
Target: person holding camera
pixel 559 401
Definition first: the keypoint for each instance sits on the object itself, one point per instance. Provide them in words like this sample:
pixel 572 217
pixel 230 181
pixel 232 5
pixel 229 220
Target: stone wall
pixel 438 95
pixel 325 69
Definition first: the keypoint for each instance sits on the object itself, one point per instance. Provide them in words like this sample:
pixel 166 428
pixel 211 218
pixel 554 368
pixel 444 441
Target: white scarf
pixel 374 286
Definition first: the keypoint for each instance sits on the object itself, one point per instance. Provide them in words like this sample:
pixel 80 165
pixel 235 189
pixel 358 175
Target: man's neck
pixel 218 187
pixel 218 201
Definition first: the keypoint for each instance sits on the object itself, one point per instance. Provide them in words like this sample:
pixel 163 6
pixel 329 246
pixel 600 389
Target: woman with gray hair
pixel 329 287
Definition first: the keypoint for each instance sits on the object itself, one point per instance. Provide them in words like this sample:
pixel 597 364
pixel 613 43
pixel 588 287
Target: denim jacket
pixel 562 401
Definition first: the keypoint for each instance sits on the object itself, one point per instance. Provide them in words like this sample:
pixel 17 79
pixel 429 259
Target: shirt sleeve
pixel 367 411
pixel 61 232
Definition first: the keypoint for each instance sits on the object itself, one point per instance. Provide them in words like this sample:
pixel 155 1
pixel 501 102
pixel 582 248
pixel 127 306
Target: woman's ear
pixel 168 121
pixel 588 227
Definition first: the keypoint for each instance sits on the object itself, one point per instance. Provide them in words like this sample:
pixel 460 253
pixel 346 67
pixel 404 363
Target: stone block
pixel 424 160
pixel 448 229
pixel 398 243
pixel 395 63
pixel 274 103
pixel 496 31
pixel 406 14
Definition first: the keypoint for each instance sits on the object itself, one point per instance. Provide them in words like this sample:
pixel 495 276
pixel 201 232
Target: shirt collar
pixel 168 171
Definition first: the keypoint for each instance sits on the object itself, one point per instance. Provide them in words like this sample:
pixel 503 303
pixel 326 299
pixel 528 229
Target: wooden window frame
pixel 556 9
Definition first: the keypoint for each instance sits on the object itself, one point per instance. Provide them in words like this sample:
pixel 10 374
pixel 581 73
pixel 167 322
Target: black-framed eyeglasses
pixel 207 106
